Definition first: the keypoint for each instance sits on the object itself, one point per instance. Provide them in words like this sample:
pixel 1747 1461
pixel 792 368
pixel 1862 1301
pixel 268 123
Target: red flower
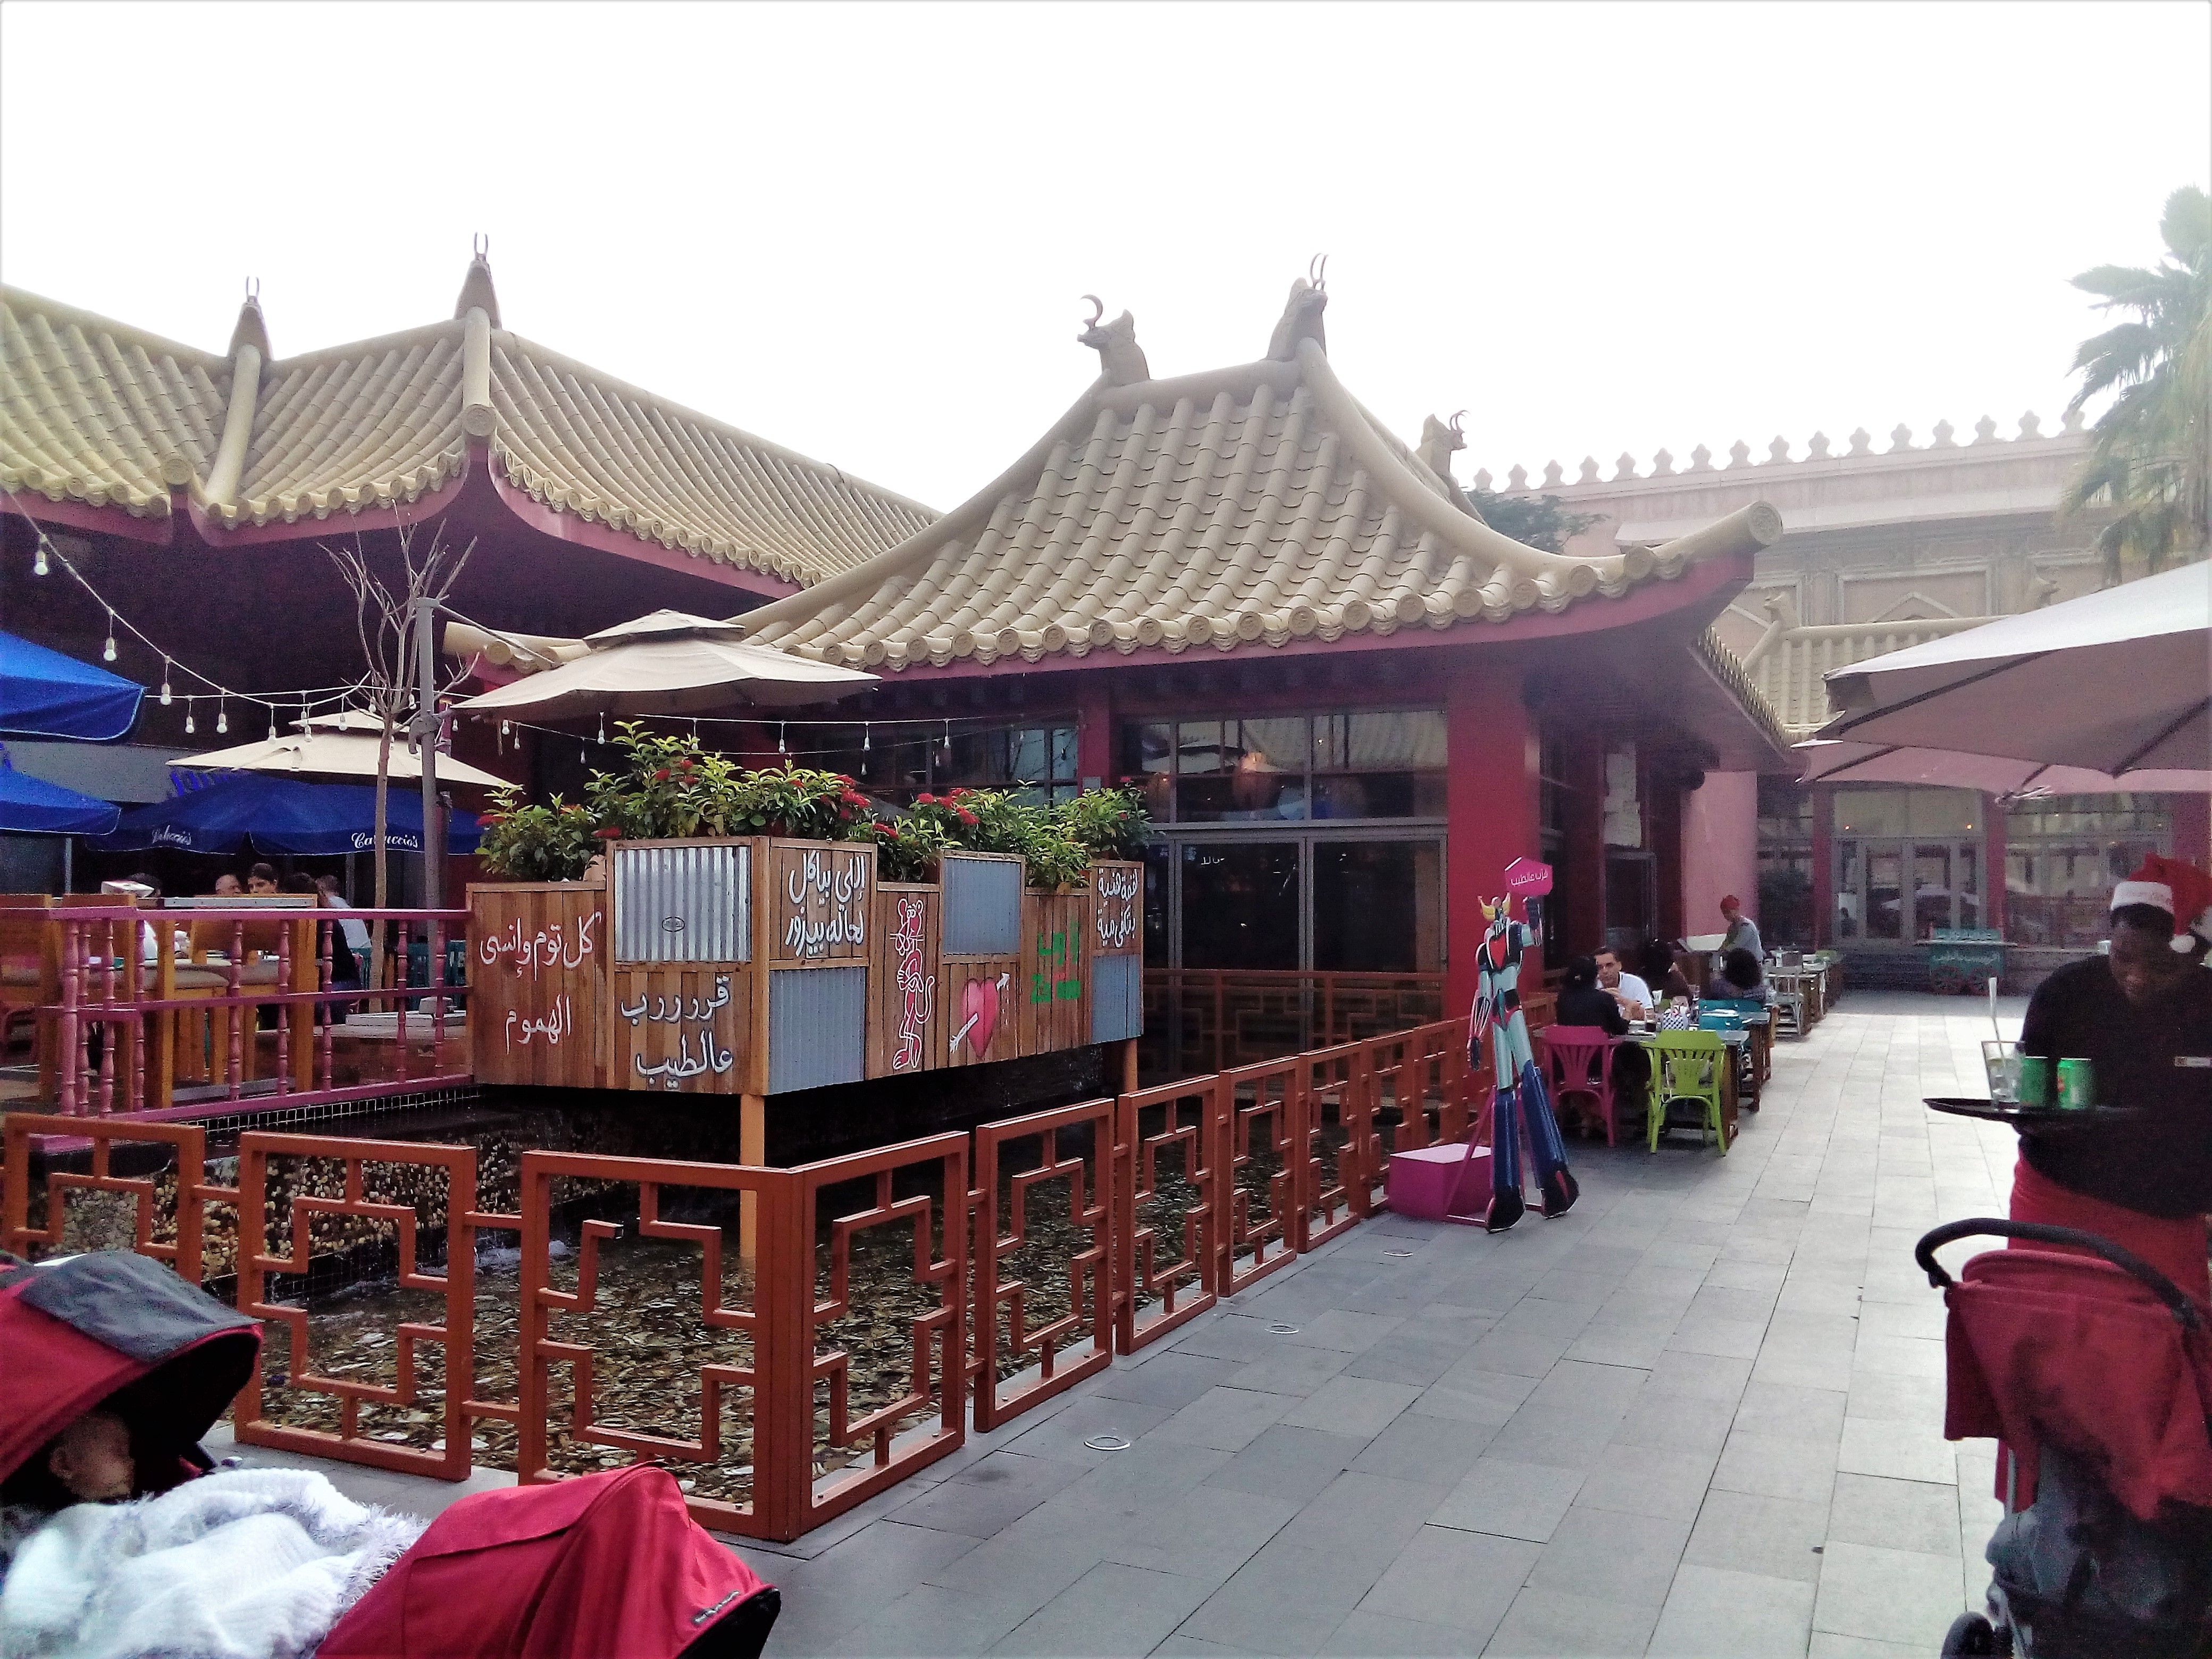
pixel 687 764
pixel 925 799
pixel 967 816
pixel 662 776
pixel 609 833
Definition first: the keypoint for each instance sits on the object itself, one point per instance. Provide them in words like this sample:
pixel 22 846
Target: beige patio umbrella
pixel 2116 682
pixel 342 745
pixel 668 663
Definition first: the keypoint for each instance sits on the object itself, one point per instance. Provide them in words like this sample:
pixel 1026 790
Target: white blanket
pixel 242 1564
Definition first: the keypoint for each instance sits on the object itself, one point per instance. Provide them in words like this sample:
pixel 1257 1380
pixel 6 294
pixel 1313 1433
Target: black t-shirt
pixel 1591 1006
pixel 2162 1162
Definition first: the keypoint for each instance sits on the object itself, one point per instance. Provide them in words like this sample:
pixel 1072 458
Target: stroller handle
pixel 2177 1301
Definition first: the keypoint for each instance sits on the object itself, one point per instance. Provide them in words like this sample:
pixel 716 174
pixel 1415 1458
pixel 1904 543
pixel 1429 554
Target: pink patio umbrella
pixel 2112 691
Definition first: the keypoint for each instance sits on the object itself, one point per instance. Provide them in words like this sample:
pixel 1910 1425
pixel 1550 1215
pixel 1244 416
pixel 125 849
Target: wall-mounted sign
pixel 821 898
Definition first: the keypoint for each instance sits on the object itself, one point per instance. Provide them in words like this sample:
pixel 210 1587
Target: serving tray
pixel 2030 1117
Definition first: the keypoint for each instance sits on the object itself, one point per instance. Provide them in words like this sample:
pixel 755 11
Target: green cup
pixel 2032 1086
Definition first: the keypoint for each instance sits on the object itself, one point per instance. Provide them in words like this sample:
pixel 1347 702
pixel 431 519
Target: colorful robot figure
pixel 1519 1101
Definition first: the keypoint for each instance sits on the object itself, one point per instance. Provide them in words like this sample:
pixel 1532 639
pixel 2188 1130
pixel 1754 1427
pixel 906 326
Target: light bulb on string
pixel 222 716
pixel 38 559
pixel 188 717
pixel 602 728
pixel 166 694
pixel 948 740
pixel 782 748
pixel 867 738
pixel 272 722
pixel 108 650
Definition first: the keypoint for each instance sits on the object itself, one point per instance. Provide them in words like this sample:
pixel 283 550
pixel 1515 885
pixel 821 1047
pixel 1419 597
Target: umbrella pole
pixel 426 745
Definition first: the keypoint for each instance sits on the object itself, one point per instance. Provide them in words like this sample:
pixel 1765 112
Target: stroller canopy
pixel 118 1327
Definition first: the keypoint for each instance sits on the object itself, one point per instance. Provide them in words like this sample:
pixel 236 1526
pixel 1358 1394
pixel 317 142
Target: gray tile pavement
pixel 1701 1414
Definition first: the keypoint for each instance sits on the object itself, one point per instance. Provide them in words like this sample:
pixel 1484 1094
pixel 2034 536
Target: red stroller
pixel 2095 1372
pixel 603 1566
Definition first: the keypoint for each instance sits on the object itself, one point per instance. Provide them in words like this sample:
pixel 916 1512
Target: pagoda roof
pixel 98 413
pixel 1235 510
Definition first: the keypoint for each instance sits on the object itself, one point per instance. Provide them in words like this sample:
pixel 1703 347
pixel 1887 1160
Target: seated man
pixel 1626 988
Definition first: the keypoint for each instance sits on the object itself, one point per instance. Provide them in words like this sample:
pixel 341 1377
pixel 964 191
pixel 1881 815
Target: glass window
pixel 1383 765
pixel 1850 890
pixel 1240 771
pixel 1035 763
pixel 1907 812
pixel 1240 905
pixel 2062 855
pixel 1786 810
pixel 1884 893
pixel 1378 907
pixel 1931 890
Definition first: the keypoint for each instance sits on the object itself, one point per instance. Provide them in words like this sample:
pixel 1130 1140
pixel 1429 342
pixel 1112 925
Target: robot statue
pixel 1519 1101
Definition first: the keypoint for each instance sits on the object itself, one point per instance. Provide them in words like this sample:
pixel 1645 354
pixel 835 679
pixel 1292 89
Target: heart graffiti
pixel 979 1009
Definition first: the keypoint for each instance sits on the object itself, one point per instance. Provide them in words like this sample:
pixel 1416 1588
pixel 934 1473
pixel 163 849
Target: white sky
pixel 861 231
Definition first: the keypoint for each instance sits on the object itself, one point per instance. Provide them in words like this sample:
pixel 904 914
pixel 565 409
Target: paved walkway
pixel 1699 1415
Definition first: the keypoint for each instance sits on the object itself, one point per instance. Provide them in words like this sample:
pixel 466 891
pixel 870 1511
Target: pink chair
pixel 1579 1060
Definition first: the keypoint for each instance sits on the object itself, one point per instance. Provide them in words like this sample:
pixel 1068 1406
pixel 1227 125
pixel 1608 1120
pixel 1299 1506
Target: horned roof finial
pixel 251 328
pixel 476 292
pixel 1301 318
pixel 1120 356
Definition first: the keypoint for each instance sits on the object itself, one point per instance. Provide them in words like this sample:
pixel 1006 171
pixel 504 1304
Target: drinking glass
pixel 2002 1061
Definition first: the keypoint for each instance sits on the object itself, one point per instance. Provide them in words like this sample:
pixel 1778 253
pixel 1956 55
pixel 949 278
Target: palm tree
pixel 2148 457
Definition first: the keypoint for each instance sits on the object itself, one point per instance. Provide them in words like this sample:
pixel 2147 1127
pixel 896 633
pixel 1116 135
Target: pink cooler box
pixel 1440 1183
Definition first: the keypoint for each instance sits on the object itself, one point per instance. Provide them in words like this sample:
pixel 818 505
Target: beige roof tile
pixel 90 409
pixel 1246 508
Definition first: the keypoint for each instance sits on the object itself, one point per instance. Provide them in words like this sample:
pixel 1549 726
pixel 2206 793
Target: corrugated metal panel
pixel 982 906
pixel 817 1027
pixel 682 903
pixel 1117 998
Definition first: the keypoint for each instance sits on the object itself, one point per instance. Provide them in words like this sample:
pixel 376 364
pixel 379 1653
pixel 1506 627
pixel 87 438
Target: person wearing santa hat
pixel 2143 1014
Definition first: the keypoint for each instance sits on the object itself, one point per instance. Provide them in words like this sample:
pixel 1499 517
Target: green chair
pixel 1687 1066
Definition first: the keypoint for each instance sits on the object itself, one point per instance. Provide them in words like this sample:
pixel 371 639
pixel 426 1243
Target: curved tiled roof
pixel 1253 505
pixel 93 411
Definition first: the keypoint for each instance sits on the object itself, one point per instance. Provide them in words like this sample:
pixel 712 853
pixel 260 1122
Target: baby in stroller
pixel 117 1538
pixel 2095 1371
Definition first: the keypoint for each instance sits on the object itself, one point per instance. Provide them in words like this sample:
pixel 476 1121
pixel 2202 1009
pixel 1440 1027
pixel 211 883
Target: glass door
pixel 1377 906
pixel 1240 904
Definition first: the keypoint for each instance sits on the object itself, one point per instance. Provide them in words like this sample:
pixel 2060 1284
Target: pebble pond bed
pixel 648 1340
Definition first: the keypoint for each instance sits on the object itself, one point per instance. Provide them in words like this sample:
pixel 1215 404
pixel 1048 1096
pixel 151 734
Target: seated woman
pixel 1583 1002
pixel 1661 965
pixel 1740 974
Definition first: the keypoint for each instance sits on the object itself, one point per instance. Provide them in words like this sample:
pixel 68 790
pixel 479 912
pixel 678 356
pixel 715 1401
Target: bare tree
pixel 386 618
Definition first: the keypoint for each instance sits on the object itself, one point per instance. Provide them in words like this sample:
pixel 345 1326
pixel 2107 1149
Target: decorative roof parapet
pixel 1731 673
pixel 1818 448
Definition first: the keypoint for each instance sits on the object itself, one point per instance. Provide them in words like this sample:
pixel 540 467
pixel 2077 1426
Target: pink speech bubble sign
pixel 1527 879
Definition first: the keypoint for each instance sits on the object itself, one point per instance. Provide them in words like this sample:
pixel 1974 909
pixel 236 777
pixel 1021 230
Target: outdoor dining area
pixel 1704 1059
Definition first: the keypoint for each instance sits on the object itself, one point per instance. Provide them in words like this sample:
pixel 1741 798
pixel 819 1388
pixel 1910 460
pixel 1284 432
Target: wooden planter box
pixel 758 966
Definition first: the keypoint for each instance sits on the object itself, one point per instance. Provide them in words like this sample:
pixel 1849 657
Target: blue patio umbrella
pixel 33 805
pixel 44 694
pixel 282 815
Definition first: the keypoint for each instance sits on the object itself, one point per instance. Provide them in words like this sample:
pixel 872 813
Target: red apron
pixel 2176 1246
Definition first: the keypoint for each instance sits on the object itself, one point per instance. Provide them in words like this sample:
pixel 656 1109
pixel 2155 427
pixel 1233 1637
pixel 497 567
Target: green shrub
pixel 908 849
pixel 523 842
pixel 1108 823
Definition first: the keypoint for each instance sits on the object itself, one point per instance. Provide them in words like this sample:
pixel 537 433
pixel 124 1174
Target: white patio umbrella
pixel 668 663
pixel 342 745
pixel 2116 682
pixel 1827 761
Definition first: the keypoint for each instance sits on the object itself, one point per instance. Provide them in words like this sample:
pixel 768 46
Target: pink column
pixel 1720 848
pixel 1490 808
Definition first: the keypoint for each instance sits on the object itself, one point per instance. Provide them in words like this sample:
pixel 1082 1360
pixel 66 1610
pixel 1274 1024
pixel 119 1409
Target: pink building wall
pixel 1720 848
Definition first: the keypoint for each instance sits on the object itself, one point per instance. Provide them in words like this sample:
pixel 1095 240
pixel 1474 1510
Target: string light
pixel 782 747
pixel 188 717
pixel 867 738
pixel 45 552
pixel 272 722
pixel 948 739
pixel 222 716
pixel 603 727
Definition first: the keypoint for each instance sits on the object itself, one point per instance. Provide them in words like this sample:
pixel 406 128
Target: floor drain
pixel 1282 1330
pixel 1401 1255
pixel 1107 1442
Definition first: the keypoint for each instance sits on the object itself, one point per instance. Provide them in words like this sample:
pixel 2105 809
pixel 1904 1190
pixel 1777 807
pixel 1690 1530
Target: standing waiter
pixel 2142 1015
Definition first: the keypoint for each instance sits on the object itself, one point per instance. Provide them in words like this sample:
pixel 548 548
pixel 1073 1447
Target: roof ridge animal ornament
pixel 1120 356
pixel 1440 441
pixel 1518 1101
pixel 1301 318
